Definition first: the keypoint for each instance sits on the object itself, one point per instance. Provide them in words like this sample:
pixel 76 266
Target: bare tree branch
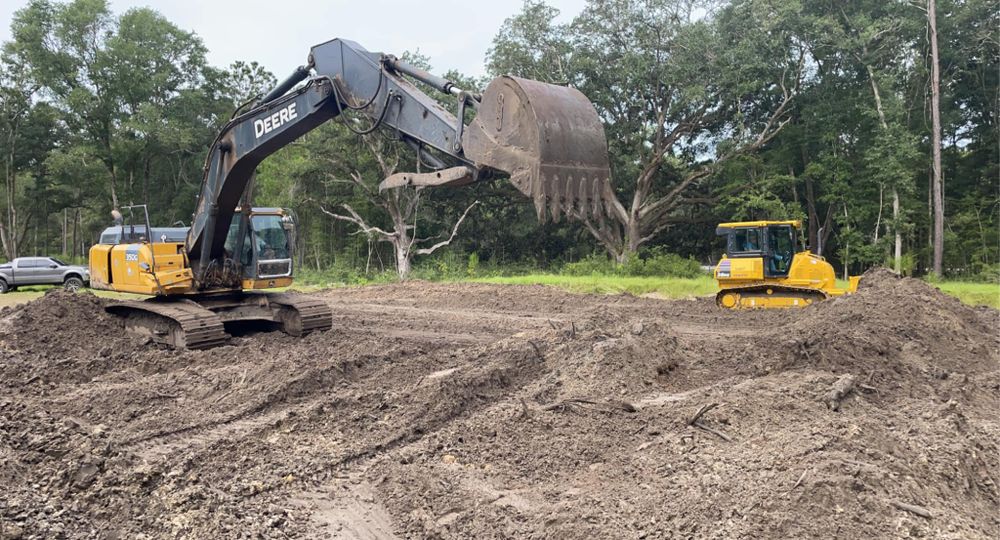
pixel 356 219
pixel 454 230
pixel 655 209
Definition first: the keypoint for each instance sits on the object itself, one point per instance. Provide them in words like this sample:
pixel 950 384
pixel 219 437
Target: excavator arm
pixel 548 139
pixel 241 145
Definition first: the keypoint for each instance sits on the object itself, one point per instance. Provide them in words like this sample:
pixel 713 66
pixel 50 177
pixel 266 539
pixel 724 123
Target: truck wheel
pixel 73 284
pixel 4 287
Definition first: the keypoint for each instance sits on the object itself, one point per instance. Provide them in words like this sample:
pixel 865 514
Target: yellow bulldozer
pixel 764 268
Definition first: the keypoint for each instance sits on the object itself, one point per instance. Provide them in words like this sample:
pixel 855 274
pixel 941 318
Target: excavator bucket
pixel 550 141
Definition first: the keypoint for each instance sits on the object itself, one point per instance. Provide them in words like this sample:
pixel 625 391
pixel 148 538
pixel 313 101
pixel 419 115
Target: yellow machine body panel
pixel 742 271
pixel 807 270
pixel 251 284
pixel 762 268
pixel 141 268
pixel 734 224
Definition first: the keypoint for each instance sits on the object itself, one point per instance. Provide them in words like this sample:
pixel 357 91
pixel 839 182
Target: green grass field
pixel 975 294
pixel 665 287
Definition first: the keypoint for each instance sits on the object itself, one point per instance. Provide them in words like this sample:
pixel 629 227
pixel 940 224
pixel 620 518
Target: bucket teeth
pixel 596 208
pixel 555 185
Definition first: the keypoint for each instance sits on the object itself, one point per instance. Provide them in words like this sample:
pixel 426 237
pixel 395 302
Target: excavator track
pixel 768 295
pixel 181 324
pixel 198 322
pixel 301 315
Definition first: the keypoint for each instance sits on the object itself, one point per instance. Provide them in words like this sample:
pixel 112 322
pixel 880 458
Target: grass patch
pixel 666 287
pixel 974 294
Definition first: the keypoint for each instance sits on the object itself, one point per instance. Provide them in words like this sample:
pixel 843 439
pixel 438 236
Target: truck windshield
pixel 57 261
pixel 270 237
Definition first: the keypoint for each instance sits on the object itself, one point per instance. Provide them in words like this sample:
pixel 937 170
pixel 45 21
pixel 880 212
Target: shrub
pixel 653 262
pixel 472 268
pixel 988 273
pixel 442 264
pixel 595 263
pixel 908 263
pixel 671 264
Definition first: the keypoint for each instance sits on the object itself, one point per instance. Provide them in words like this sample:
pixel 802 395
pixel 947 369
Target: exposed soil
pixel 479 411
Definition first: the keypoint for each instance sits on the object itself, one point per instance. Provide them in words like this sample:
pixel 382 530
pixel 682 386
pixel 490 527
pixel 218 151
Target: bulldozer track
pixel 761 291
pixel 191 326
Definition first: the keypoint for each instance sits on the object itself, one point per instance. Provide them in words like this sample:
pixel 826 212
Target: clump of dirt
pixel 480 411
pixel 605 356
pixel 47 461
pixel 46 323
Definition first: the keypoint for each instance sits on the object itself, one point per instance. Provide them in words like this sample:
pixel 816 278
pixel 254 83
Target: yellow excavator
pixel 763 268
pixel 547 139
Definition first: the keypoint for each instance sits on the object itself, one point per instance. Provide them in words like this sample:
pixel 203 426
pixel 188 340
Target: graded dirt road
pixel 478 411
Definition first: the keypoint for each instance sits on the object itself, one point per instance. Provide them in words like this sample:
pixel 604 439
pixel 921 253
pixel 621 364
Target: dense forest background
pixel 820 110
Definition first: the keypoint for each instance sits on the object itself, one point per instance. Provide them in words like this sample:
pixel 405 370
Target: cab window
pixel 240 246
pixel 782 244
pixel 33 263
pixel 745 241
pixel 270 237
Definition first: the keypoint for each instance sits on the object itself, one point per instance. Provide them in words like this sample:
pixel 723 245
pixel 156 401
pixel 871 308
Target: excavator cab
pixel 261 241
pixel 765 267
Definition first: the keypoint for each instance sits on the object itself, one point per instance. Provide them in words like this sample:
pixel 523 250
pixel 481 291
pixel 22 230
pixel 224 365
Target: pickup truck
pixel 41 271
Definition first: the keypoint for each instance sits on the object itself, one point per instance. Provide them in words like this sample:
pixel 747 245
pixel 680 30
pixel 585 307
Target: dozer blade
pixel 550 141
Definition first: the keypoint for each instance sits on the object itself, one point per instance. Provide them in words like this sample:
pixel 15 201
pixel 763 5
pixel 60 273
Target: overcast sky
pixel 279 33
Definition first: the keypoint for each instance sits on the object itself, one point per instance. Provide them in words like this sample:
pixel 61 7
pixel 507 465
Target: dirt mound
pixel 605 356
pixel 62 336
pixel 582 453
pixel 894 328
pixel 480 411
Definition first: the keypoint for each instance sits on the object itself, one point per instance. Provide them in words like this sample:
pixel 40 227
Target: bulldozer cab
pixel 772 241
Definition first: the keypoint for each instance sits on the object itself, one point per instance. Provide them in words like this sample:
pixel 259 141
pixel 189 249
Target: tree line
pixel 875 122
